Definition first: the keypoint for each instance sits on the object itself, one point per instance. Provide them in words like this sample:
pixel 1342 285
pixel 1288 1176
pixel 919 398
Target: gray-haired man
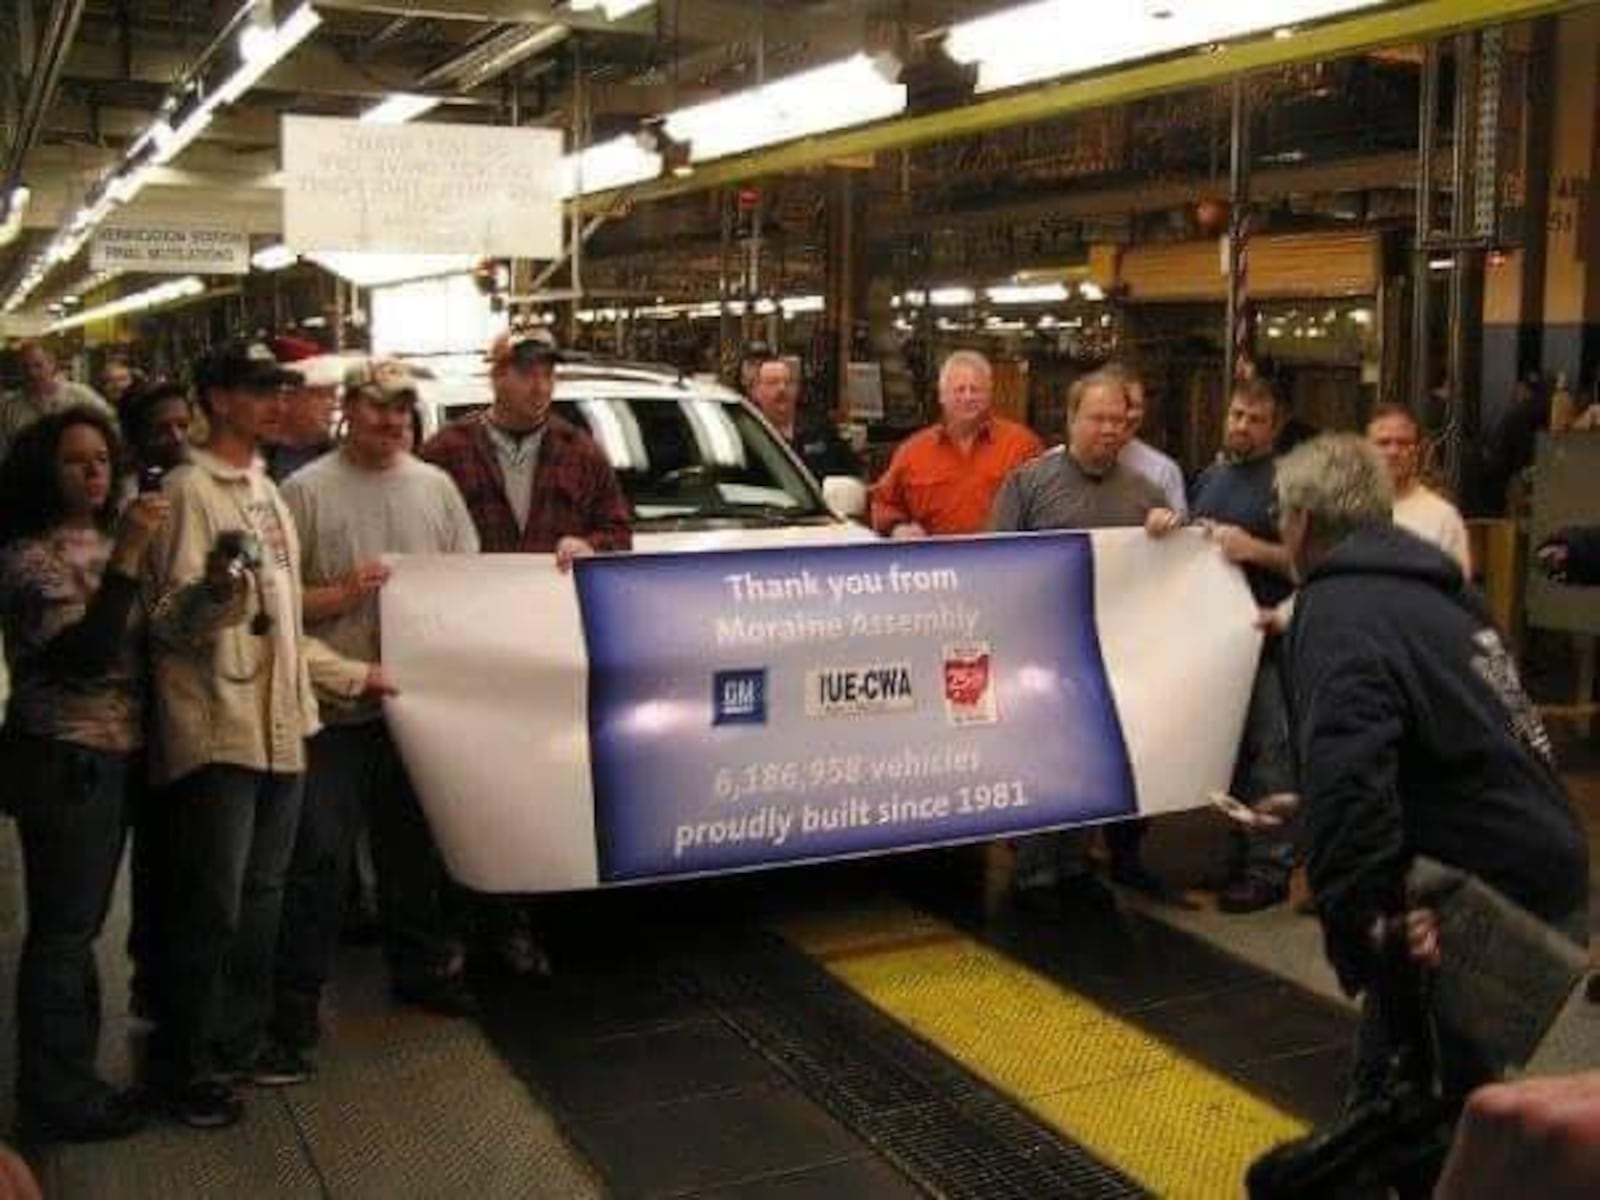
pixel 1412 732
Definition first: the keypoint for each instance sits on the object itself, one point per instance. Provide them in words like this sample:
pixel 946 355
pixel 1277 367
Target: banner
pixel 420 188
pixel 170 250
pixel 657 716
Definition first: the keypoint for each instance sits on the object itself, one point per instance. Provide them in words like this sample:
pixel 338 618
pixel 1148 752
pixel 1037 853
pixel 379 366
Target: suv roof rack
pixel 580 363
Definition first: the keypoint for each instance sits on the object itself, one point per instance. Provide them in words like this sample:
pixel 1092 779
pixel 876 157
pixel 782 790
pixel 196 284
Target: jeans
pixel 150 872
pixel 69 804
pixel 1265 767
pixel 354 770
pixel 1048 860
pixel 233 830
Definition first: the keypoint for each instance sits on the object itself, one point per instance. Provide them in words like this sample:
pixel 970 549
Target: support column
pixel 1240 351
pixel 842 282
pixel 1421 273
pixel 1466 270
pixel 1572 271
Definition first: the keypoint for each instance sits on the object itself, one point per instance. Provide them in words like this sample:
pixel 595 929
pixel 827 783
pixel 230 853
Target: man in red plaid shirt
pixel 534 483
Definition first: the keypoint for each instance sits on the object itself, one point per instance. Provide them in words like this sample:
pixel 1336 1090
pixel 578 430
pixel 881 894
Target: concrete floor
pixel 533 1101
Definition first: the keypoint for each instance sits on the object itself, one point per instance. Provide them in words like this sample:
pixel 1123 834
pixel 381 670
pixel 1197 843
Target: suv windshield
pixel 694 457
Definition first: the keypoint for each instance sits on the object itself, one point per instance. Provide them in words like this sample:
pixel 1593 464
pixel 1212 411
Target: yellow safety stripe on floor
pixel 1174 1125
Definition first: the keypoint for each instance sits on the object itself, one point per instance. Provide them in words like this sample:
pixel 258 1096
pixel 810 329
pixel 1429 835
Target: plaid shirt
pixel 575 491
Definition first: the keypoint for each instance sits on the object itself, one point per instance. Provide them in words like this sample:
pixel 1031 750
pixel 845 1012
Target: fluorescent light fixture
pixel 851 91
pixel 1027 293
pixel 1091 291
pixel 612 164
pixel 800 304
pixel 496 53
pixel 398 108
pixel 612 10
pixel 951 297
pixel 262 47
pixel 375 270
pixel 273 258
pixel 125 187
pixel 165 293
pixel 1026 44
pixel 16 207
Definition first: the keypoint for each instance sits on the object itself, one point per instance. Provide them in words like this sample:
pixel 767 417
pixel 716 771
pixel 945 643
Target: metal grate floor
pixel 950 1132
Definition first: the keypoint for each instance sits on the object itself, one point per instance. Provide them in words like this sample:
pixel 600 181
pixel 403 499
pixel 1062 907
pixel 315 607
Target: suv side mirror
pixel 846 495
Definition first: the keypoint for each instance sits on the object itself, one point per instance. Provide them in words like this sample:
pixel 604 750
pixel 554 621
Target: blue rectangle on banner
pixel 758 707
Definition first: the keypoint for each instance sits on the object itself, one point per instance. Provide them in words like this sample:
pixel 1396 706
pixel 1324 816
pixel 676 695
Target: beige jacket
pixel 224 693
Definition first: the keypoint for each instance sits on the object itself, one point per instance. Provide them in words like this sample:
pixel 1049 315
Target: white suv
pixel 702 469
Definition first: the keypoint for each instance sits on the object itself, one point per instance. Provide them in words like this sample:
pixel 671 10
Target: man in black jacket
pixel 1412 731
pixel 817 443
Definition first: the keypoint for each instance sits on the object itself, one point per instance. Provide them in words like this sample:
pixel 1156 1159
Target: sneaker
pixel 117 1115
pixel 1251 895
pixel 281 1066
pixel 206 1104
pixel 445 994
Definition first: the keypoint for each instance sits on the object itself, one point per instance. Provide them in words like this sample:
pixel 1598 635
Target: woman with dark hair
pixel 69 608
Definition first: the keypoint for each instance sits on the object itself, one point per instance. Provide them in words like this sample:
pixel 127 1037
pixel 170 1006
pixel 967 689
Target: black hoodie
pixel 1414 736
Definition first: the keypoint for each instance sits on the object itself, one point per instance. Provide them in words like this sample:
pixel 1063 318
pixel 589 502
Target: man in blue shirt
pixel 1233 501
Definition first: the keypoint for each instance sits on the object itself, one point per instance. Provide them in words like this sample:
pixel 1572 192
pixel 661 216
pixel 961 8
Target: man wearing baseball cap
pixel 368 499
pixel 534 484
pixel 232 678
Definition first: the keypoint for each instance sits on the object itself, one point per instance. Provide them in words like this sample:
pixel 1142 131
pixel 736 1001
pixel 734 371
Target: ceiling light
pixel 612 164
pixel 16 207
pixel 612 10
pixel 1035 293
pixel 1023 45
pixel 165 293
pixel 262 47
pixel 375 270
pixel 951 297
pixel 491 55
pixel 1091 291
pixel 398 108
pixel 274 258
pixel 851 91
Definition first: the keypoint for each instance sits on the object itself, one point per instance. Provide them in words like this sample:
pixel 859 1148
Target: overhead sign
pixel 807 703
pixel 170 250
pixel 420 188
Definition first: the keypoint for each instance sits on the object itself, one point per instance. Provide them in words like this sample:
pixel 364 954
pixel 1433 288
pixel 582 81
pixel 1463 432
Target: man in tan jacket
pixel 233 674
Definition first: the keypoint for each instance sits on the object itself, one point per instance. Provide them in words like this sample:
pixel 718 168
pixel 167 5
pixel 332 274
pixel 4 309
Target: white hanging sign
pixel 170 250
pixel 421 188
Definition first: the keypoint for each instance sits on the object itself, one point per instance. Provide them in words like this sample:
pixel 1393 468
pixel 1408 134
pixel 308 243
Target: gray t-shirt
pixel 1054 492
pixel 348 515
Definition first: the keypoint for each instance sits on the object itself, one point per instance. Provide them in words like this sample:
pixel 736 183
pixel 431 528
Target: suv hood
pixel 762 538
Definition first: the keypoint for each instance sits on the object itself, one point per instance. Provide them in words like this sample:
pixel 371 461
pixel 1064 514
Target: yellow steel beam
pixel 1420 21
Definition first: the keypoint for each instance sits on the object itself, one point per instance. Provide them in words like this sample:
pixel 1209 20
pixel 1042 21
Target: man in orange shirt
pixel 943 479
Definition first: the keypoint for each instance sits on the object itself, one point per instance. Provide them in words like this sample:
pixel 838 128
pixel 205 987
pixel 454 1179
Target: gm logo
pixel 739 697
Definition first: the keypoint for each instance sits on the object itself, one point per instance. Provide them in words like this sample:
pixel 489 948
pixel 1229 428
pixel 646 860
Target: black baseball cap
pixel 243 363
pixel 525 349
